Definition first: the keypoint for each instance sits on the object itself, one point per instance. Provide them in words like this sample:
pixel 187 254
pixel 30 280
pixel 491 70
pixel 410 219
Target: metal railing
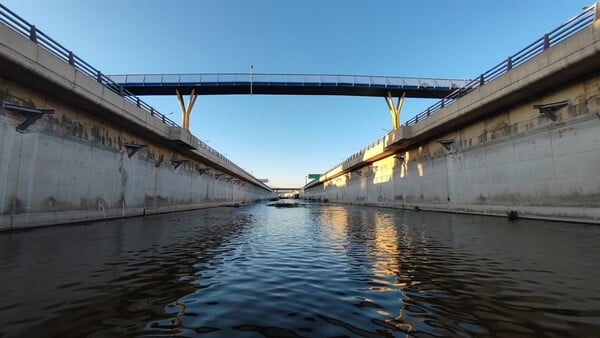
pixel 288 79
pixel 29 31
pixel 572 26
pixel 567 29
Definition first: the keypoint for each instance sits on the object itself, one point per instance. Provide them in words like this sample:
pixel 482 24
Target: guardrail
pixel 567 29
pixel 29 31
pixel 289 79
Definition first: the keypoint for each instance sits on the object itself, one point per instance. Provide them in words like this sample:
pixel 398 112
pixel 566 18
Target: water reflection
pixel 303 272
pixel 105 279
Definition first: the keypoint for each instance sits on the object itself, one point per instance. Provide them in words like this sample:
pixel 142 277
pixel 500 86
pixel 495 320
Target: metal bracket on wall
pixel 133 148
pixel 202 171
pixel 217 176
pixel 31 114
pixel 549 110
pixel 447 144
pixel 177 163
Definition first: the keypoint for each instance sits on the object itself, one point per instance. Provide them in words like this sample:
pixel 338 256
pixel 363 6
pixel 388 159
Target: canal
pixel 310 271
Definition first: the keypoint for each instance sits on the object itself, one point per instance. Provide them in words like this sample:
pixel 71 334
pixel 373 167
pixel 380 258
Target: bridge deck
pixel 286 84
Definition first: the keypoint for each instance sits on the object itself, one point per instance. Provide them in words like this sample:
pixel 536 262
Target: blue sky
pixel 283 138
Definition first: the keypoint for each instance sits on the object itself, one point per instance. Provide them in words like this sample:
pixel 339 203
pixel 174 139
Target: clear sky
pixel 284 138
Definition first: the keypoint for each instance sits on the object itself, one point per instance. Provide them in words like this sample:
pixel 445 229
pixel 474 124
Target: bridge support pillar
pixel 395 109
pixel 186 111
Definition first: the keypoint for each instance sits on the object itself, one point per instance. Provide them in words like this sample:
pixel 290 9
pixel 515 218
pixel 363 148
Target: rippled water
pixel 314 271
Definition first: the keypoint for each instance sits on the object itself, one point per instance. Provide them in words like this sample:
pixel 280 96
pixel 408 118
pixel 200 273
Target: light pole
pixel 251 78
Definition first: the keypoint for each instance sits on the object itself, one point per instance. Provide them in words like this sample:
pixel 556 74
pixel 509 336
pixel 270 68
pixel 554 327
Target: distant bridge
pixel 285 189
pixel 286 84
pixel 287 192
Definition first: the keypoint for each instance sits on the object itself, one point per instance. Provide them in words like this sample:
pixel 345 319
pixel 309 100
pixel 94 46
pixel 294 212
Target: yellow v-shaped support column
pixel 186 111
pixel 395 110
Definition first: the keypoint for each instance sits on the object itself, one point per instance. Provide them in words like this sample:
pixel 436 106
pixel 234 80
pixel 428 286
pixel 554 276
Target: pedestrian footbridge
pixel 286 84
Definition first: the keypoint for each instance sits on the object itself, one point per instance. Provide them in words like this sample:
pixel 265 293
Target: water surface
pixel 313 271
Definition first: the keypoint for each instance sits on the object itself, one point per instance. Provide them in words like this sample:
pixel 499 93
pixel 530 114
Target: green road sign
pixel 313 176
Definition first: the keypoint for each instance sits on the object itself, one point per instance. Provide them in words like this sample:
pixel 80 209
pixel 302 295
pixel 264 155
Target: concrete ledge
pixel 377 151
pixel 19 44
pixel 50 61
pixel 397 136
pixel 34 67
pixel 182 137
pixel 567 214
pixel 34 220
pixel 568 60
pixel 37 68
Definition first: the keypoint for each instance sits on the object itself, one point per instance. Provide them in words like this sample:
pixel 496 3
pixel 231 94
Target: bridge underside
pixel 284 89
pixel 285 84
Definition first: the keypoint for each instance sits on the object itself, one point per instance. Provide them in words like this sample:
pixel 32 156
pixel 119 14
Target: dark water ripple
pixel 316 271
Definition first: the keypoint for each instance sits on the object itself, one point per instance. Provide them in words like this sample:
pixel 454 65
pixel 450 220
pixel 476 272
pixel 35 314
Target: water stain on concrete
pixel 14 206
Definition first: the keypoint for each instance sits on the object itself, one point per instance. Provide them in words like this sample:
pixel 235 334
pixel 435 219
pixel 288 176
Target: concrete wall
pixel 75 165
pixel 513 159
pixel 72 166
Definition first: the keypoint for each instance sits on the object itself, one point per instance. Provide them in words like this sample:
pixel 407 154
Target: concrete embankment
pixel 526 143
pixel 97 156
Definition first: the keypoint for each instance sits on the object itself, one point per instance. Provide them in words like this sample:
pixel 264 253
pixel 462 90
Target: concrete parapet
pixel 568 60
